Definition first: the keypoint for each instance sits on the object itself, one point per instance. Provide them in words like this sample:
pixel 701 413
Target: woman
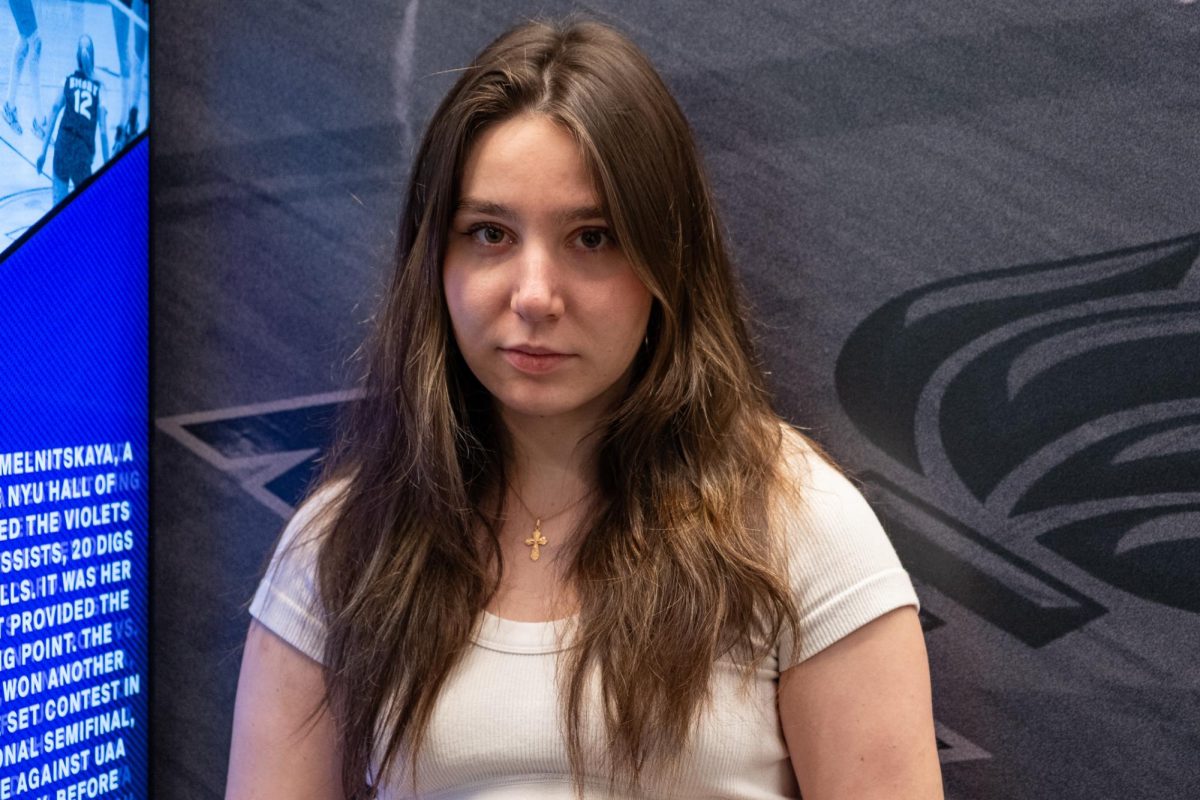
pixel 565 547
pixel 83 116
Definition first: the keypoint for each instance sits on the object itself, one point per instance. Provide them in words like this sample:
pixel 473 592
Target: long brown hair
pixel 675 566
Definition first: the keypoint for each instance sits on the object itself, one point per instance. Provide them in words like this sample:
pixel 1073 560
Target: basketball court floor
pixel 25 196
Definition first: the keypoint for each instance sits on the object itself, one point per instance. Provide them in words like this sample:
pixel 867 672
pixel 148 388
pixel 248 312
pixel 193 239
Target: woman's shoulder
pixel 300 542
pixel 818 506
pixel 842 566
pixel 315 514
pixel 807 474
pixel 287 599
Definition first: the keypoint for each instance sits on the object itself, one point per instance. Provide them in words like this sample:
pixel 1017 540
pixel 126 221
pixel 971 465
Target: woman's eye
pixel 594 238
pixel 488 234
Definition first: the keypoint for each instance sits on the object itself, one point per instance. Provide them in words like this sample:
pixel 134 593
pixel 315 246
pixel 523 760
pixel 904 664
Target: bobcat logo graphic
pixel 1044 408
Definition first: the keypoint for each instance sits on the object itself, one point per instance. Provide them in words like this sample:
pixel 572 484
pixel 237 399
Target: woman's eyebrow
pixel 582 213
pixel 489 208
pixel 484 207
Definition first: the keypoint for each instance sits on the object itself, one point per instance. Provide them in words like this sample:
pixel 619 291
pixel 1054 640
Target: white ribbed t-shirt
pixel 496 733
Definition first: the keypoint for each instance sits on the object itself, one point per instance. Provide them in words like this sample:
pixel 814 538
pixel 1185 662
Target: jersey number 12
pixel 83 103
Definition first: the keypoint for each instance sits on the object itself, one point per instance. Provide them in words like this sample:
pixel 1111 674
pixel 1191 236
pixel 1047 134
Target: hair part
pixel 676 565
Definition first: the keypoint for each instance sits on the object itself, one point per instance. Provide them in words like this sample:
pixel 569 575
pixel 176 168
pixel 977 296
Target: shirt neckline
pixel 524 638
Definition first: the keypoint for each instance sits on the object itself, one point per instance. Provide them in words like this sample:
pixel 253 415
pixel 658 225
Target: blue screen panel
pixel 74 320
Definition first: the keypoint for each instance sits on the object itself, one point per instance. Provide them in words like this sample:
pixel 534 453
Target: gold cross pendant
pixel 536 541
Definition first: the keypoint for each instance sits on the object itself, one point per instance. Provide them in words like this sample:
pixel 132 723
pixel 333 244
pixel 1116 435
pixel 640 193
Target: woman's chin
pixel 546 404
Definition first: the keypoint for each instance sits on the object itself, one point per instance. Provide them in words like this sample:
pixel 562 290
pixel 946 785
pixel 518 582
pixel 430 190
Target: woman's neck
pixel 551 475
pixel 553 461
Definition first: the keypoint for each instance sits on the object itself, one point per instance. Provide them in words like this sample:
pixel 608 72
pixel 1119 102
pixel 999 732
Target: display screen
pixel 73 495
pixel 74 395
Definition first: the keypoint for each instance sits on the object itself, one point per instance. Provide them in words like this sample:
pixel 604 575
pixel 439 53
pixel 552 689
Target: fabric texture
pixel 497 732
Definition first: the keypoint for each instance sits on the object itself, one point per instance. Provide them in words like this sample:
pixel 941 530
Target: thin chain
pixel 537 539
pixel 556 514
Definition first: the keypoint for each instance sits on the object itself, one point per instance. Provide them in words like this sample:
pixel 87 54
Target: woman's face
pixel 545 307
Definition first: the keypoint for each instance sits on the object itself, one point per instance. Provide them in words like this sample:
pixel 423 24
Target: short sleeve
pixel 286 601
pixel 843 570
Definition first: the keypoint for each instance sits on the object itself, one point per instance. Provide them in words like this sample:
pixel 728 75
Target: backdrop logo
pixel 271 448
pixel 1044 408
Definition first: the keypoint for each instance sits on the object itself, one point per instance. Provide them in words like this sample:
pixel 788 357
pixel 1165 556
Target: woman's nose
pixel 536 293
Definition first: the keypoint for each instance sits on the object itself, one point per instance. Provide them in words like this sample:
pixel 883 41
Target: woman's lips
pixel 534 363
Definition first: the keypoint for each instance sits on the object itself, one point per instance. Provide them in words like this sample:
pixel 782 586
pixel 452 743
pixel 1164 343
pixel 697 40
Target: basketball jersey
pixel 81 99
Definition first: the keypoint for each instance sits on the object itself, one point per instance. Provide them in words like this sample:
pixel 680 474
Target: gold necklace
pixel 536 539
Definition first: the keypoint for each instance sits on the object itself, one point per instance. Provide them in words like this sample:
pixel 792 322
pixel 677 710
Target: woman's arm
pixel 858 717
pixel 278 749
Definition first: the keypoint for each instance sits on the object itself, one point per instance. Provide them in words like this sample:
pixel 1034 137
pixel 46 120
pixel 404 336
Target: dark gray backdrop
pixel 969 231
